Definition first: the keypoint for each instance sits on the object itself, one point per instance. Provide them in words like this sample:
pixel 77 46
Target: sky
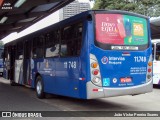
pixel 39 25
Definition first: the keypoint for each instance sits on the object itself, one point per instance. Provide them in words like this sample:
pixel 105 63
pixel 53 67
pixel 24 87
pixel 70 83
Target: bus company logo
pixel 104 60
pixel 5 5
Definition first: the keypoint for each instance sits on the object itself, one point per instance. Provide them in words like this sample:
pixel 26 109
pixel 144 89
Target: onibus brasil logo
pixel 5 5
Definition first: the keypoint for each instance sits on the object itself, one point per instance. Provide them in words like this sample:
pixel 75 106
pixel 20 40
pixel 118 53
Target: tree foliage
pixel 149 8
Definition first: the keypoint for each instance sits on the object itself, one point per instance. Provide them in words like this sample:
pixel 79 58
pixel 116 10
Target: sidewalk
pixel 2 80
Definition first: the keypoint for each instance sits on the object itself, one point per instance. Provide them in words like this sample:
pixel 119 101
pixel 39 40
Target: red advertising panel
pixel 1 1
pixel 117 29
pixel 110 28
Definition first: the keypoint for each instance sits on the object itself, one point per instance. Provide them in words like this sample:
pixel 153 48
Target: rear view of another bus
pixel 156 61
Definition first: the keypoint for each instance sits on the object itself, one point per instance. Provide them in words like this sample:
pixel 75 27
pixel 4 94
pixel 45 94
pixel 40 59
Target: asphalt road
pixel 20 98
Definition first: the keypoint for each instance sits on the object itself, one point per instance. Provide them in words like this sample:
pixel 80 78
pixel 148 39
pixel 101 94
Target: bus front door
pixel 12 63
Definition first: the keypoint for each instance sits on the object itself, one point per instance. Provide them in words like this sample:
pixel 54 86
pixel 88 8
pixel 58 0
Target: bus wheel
pixel 39 88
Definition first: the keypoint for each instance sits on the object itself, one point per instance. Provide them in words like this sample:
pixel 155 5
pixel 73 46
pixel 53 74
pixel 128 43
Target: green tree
pixel 149 8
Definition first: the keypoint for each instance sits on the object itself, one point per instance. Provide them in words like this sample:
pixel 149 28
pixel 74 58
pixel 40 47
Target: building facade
pixel 73 9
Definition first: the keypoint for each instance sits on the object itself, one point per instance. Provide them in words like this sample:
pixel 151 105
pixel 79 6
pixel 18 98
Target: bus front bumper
pixel 102 92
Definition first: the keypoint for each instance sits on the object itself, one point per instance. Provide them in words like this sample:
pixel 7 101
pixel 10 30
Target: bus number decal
pixel 140 59
pixel 70 64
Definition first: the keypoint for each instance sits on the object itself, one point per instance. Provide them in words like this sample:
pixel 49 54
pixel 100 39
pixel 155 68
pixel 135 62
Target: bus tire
pixel 39 88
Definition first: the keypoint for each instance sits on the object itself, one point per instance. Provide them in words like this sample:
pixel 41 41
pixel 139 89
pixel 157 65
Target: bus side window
pixel 52 44
pixel 79 39
pixel 38 43
pixel 64 51
pixel 71 40
pixel 19 51
pixel 158 51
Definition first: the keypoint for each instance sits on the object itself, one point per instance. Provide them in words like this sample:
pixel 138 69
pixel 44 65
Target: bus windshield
pixel 121 32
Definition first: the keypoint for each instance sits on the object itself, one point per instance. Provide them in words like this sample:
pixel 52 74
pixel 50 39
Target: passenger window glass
pixel 71 40
pixel 63 49
pixel 52 51
pixel 38 44
pixel 52 44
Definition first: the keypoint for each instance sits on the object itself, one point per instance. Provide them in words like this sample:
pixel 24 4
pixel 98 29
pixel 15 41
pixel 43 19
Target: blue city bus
pixel 94 54
pixel 1 61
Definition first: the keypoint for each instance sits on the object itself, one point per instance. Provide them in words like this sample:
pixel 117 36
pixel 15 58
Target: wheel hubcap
pixel 39 87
